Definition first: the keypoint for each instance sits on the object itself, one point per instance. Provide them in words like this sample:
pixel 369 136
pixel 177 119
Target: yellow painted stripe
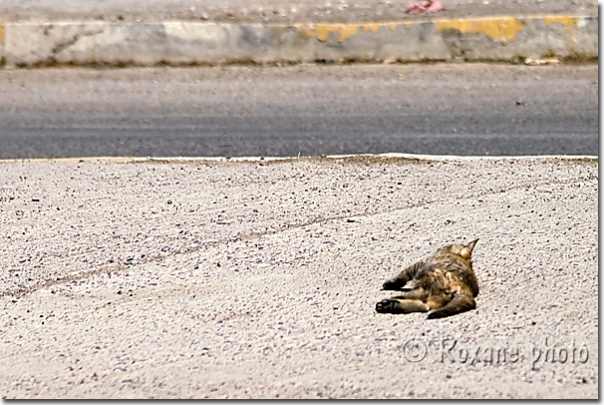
pixel 343 31
pixel 566 21
pixel 1 34
pixel 322 31
pixel 494 27
pixel 569 22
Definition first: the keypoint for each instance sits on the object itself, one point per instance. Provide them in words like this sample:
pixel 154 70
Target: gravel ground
pixel 259 279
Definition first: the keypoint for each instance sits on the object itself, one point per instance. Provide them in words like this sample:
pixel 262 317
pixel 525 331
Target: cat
pixel 444 282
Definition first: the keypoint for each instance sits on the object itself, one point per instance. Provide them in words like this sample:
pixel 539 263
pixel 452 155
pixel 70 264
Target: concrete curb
pixel 532 39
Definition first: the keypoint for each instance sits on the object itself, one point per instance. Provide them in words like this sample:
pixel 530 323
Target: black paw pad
pixel 384 306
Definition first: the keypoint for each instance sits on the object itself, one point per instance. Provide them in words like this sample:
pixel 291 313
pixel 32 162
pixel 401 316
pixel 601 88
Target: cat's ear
pixel 466 252
pixel 471 245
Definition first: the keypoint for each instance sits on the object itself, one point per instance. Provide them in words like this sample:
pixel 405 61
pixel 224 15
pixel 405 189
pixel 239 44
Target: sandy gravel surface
pixel 259 279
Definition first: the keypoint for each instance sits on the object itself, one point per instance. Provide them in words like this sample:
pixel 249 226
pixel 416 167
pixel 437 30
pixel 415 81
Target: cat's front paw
pixel 385 306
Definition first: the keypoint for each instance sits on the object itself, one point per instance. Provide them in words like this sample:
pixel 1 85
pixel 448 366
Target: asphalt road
pixel 448 109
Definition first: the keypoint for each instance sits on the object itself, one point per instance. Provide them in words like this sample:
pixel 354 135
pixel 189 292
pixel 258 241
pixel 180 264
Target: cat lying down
pixel 443 283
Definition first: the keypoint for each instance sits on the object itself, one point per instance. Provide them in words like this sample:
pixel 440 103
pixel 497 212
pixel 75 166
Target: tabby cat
pixel 444 282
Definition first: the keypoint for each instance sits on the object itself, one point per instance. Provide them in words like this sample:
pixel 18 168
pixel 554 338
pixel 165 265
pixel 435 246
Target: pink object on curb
pixel 425 6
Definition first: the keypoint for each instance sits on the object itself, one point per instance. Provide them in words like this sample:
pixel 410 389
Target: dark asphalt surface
pixel 455 109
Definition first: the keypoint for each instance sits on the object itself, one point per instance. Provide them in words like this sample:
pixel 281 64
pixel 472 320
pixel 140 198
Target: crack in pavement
pixel 66 44
pixel 158 258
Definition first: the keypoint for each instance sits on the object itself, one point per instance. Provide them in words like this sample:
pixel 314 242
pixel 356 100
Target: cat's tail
pixel 461 302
